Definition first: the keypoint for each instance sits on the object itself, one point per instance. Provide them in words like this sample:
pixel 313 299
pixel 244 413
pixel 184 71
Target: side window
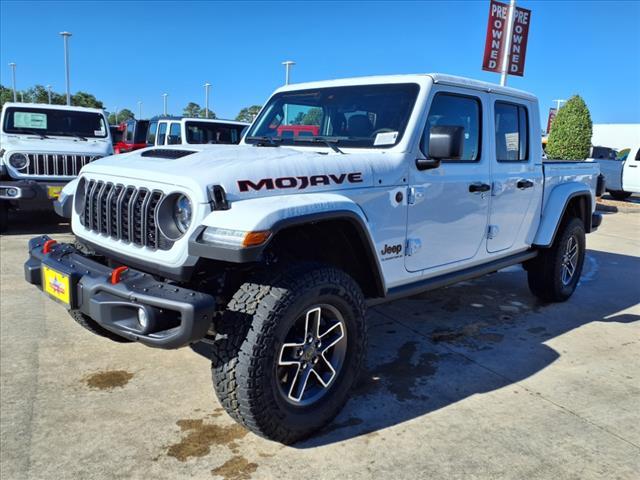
pixel 162 133
pixel 512 132
pixel 638 155
pixel 151 134
pixel 174 134
pixel 456 111
pixel 129 133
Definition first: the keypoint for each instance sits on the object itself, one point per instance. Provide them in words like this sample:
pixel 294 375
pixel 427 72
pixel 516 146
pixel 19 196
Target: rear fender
pixel 555 209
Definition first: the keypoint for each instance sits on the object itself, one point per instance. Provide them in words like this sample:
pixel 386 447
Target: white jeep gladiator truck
pixel 42 147
pixel 271 250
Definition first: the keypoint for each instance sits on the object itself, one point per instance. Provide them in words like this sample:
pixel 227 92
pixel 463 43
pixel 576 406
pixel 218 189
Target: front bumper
pixel 30 194
pixel 176 316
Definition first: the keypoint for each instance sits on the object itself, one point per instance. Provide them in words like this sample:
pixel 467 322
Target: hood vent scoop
pixel 170 154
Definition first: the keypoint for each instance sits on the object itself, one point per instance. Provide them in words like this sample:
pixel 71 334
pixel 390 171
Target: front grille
pixel 123 213
pixel 56 164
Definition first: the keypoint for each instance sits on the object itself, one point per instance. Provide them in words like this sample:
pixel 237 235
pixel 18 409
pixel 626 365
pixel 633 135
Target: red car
pixel 298 130
pixel 133 137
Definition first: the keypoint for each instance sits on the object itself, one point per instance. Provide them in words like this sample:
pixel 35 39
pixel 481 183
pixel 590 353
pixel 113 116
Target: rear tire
pixel 619 194
pixel 554 274
pixel 95 328
pixel 271 338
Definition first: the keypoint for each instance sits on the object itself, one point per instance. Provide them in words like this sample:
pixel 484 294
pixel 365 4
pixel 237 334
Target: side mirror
pixel 446 142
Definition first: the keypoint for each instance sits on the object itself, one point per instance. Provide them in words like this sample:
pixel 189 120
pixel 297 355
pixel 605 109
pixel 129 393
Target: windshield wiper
pixel 265 141
pixel 35 132
pixel 70 134
pixel 329 142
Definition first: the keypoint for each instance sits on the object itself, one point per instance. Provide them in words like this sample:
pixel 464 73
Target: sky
pixel 130 51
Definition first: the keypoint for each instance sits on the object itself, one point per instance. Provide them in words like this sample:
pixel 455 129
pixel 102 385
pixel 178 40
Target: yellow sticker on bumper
pixel 57 285
pixel 53 192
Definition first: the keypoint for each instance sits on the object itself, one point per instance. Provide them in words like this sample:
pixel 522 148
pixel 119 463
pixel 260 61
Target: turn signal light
pixel 116 274
pixel 253 239
pixel 46 248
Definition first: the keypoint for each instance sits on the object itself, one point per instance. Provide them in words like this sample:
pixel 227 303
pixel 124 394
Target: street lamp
pixel 206 99
pixel 13 75
pixel 49 93
pixel 139 110
pixel 287 65
pixel 559 103
pixel 65 36
pixel 164 98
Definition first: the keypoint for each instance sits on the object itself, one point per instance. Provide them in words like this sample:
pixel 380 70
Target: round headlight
pixel 182 213
pixel 18 161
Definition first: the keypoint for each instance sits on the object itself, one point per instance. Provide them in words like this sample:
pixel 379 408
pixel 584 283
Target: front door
pixel 516 177
pixel 449 205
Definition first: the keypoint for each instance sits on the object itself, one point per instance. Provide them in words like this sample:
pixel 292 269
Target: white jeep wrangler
pixel 271 250
pixel 42 147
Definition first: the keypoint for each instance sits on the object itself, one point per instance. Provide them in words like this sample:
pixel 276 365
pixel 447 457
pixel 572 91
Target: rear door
pixel 448 208
pixel 516 173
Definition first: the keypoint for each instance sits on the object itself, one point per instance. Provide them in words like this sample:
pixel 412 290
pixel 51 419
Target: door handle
pixel 522 184
pixel 479 187
pixel 633 166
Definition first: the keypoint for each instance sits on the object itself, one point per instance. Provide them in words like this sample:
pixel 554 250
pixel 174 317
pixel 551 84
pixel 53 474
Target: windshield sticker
pixel 385 138
pixel 29 120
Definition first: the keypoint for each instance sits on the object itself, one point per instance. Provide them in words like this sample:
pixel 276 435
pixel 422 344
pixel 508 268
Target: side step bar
pixel 450 278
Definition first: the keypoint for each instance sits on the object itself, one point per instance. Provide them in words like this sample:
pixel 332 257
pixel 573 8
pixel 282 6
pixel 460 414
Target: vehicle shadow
pixel 439 348
pixel 436 349
pixel 36 223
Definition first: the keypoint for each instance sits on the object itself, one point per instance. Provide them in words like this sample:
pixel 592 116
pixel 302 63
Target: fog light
pixel 12 192
pixel 143 318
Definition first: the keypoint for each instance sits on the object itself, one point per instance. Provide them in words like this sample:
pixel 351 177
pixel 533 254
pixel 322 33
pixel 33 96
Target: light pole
pixel 49 93
pixel 287 66
pixel 559 103
pixel 13 76
pixel 506 56
pixel 65 36
pixel 206 99
pixel 22 97
pixel 164 99
pixel 139 110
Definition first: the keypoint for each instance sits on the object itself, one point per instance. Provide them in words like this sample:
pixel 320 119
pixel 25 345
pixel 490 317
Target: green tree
pixel 6 95
pixel 123 115
pixel 84 99
pixel 192 110
pixel 312 117
pixel 248 114
pixel 571 131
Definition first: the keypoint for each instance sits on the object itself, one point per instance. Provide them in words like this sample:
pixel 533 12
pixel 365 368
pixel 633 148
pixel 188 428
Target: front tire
pixel 292 348
pixel 554 274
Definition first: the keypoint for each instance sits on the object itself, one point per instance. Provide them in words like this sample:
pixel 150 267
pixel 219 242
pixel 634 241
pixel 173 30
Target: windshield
pixel 362 116
pixel 44 121
pixel 206 132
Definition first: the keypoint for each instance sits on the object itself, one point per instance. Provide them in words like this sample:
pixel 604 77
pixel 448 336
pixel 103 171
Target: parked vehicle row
pixel 270 251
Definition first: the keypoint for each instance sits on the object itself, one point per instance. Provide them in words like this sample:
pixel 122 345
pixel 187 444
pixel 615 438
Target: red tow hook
pixel 46 248
pixel 116 274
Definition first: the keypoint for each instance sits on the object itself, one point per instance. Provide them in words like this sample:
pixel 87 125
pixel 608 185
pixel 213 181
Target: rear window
pixel 208 132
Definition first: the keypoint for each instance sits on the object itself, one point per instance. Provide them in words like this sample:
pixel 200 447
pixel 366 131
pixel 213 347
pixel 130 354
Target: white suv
pixel 42 147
